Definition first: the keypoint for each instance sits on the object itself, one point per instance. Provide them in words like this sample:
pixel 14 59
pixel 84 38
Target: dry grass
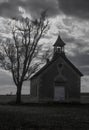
pixel 61 117
pixel 43 116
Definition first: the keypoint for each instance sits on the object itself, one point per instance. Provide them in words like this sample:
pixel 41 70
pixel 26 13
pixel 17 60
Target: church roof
pixel 52 61
pixel 59 42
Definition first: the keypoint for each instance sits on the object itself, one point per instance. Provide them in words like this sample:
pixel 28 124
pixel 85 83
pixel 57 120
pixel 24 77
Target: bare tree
pixel 18 55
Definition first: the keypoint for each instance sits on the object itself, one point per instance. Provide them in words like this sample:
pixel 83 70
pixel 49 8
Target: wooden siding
pixel 45 82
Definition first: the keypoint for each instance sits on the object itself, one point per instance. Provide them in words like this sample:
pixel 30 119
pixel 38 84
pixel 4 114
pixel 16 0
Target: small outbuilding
pixel 58 80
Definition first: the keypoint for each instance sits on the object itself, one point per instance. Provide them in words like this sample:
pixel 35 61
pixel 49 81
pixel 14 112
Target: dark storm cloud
pixel 34 7
pixel 68 40
pixel 79 8
pixel 85 70
pixel 81 60
pixel 80 50
pixel 9 9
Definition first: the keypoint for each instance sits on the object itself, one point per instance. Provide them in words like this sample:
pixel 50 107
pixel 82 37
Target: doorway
pixel 59 93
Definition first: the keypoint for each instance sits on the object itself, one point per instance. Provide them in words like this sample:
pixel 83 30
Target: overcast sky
pixel 70 17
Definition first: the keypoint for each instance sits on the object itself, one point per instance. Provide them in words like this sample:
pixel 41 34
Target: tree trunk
pixel 18 94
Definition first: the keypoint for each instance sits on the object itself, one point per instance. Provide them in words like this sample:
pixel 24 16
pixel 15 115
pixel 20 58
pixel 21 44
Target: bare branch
pixel 20 52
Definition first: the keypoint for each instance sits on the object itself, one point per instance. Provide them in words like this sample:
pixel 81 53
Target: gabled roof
pixel 52 61
pixel 59 42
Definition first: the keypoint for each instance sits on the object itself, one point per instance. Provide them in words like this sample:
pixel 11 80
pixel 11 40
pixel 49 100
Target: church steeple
pixel 59 45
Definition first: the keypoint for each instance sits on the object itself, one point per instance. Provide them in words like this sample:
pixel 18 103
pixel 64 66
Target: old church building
pixel 58 80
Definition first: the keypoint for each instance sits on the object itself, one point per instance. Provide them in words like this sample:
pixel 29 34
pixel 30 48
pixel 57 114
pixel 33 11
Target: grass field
pixel 44 116
pixel 55 117
pixel 8 98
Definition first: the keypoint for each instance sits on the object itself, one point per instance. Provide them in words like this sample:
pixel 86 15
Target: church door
pixel 59 93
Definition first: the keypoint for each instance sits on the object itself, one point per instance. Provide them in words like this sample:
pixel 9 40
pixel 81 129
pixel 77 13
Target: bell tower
pixel 59 47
